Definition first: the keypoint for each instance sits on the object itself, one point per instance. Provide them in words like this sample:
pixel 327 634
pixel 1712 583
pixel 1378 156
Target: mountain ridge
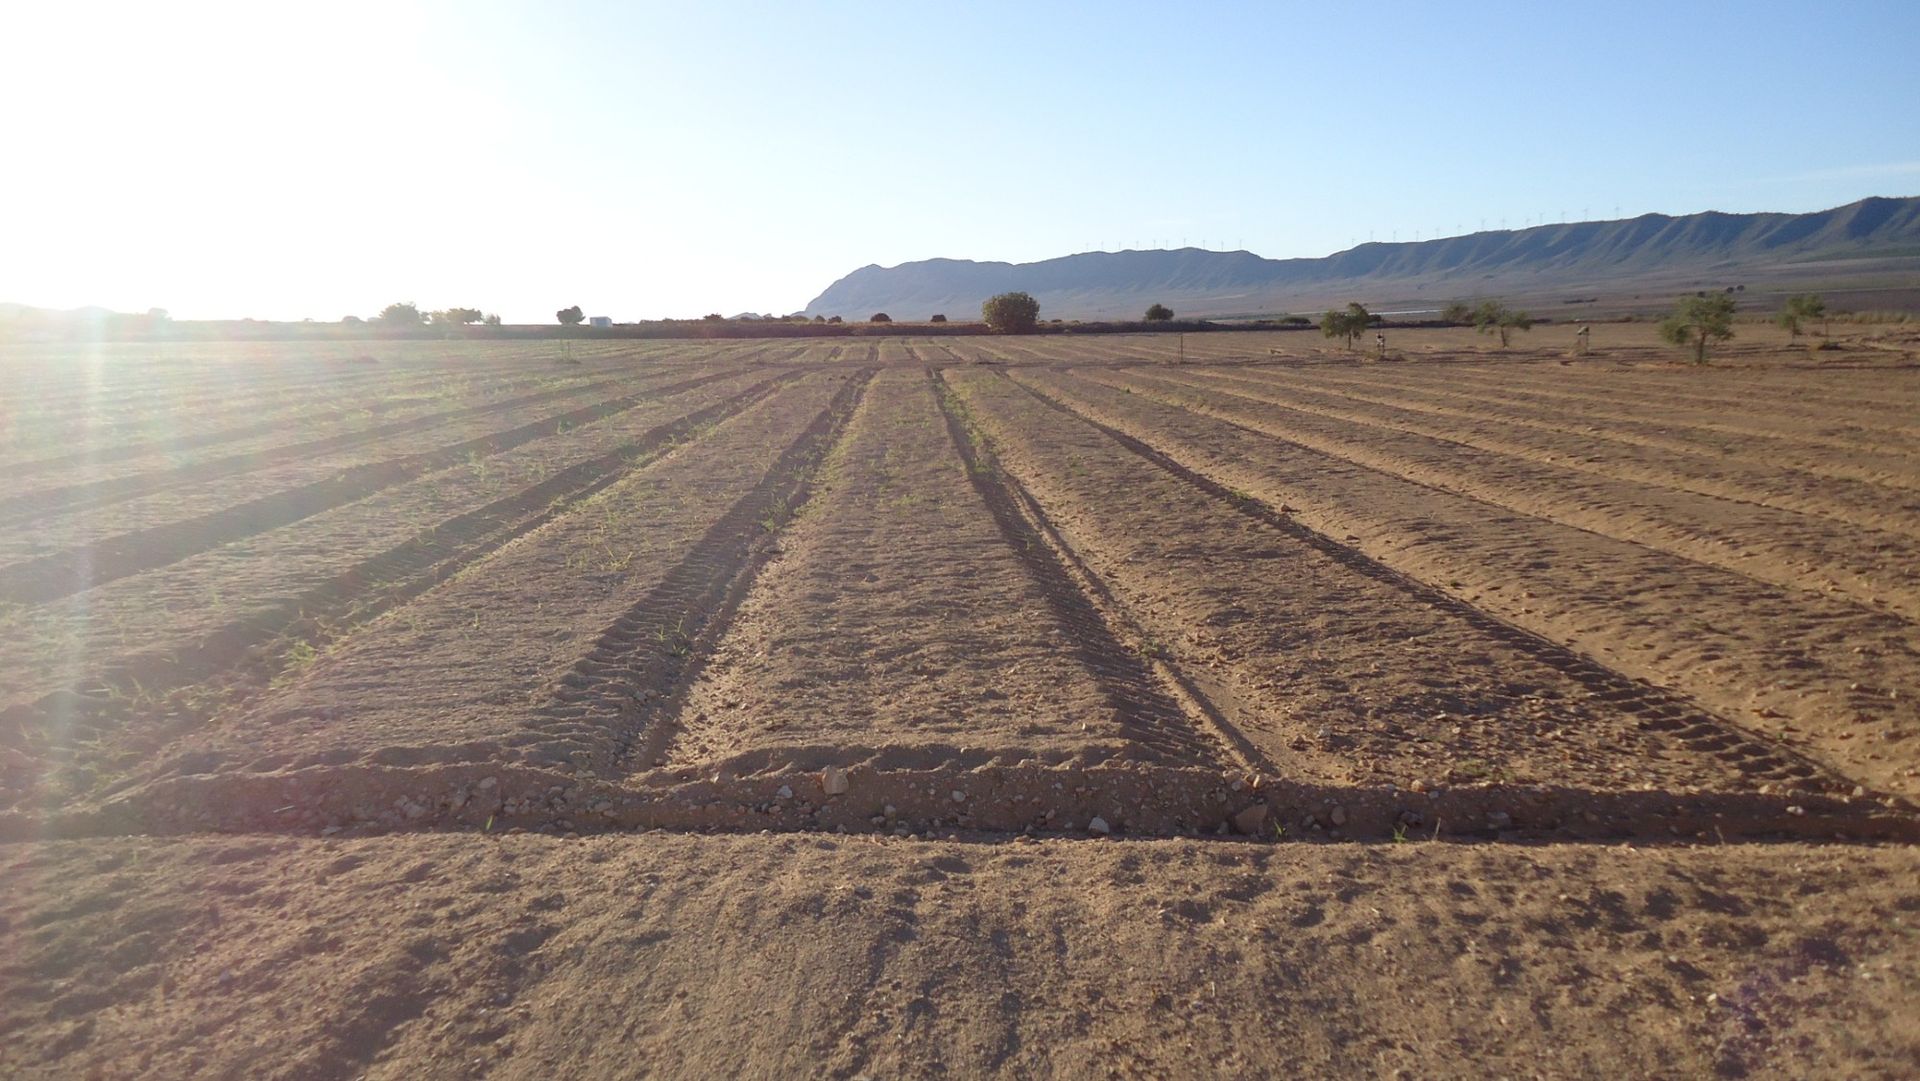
pixel 1200 282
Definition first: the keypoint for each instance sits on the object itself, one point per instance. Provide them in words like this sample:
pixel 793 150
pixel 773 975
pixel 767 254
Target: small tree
pixel 402 314
pixel 456 316
pixel 937 318
pixel 570 317
pixel 880 317
pixel 1348 323
pixel 835 319
pixel 1159 313
pixel 491 320
pixel 1806 307
pixel 1011 313
pixel 1459 313
pixel 1696 320
pixel 1493 317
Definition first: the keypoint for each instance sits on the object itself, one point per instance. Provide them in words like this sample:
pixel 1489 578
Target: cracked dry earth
pixel 959 706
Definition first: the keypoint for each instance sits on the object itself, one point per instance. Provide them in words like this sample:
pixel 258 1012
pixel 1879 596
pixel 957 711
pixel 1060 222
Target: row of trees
pixel 407 314
pixel 1708 317
pixel 1695 322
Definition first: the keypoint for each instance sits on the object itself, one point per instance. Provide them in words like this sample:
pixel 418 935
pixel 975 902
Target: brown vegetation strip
pixel 72 571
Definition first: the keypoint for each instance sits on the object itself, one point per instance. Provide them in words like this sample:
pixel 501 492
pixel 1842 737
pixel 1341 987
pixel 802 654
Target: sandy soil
pixel 817 956
pixel 901 629
pixel 1119 706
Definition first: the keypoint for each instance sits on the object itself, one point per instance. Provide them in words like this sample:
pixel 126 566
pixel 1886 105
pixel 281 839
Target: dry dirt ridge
pixel 862 709
pixel 1148 727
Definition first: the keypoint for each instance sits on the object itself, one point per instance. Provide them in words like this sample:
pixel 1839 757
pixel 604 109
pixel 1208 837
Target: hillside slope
pixel 1094 284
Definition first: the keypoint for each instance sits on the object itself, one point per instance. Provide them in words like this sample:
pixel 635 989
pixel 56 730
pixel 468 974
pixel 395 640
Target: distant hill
pixel 1588 254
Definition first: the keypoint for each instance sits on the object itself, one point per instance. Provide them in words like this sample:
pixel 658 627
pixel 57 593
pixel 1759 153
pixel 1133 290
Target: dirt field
pixel 1094 707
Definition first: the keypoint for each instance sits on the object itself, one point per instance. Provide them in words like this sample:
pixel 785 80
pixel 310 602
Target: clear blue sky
pixel 290 160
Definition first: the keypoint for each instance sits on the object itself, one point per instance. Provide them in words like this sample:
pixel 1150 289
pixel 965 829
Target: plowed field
pixel 1060 706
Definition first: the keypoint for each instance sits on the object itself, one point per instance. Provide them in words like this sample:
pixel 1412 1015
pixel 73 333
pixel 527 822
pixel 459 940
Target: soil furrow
pixel 1585 447
pixel 1766 396
pixel 1875 568
pixel 913 622
pixel 641 664
pixel 471 670
pixel 1878 466
pixel 1661 410
pixel 1291 632
pixel 27 506
pixel 1745 648
pixel 78 569
pixel 1082 601
pixel 164 693
pixel 270 426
